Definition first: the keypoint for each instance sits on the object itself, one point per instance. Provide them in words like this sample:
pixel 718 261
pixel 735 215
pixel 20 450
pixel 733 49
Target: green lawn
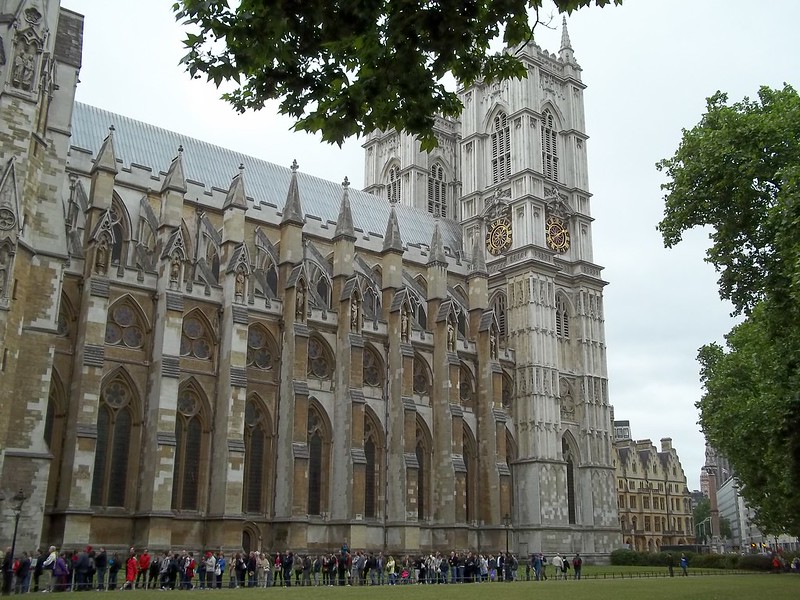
pixel 723 587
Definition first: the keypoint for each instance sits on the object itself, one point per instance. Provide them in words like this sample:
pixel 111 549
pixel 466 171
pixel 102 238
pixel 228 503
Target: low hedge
pixel 750 562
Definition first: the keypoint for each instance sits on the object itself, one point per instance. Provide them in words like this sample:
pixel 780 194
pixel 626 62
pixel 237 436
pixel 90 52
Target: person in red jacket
pixel 144 566
pixel 131 569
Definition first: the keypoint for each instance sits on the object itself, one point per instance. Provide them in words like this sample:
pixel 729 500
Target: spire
pixel 565 53
pixel 344 224
pixel 392 240
pixel 437 248
pixel 236 197
pixel 175 179
pixel 478 258
pixel 106 158
pixel 293 210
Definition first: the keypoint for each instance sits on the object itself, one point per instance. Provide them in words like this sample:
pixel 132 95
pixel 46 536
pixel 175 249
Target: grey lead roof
pixel 148 146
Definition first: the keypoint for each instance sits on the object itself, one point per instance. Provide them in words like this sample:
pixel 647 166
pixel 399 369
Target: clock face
pixel 557 235
pixel 498 237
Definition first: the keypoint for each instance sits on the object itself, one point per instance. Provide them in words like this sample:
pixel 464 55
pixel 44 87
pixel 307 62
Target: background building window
pixel 437 191
pixel 501 149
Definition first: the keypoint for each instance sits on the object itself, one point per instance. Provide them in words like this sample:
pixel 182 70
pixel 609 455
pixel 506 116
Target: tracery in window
pixel 465 387
pixel 317 460
pixel 437 191
pixel 318 281
pixel 507 392
pixel 501 148
pixel 118 218
pixel 256 456
pixel 195 338
pixel 373 449
pixel 212 258
pixel 112 451
pixel 373 368
pixel 422 382
pixel 562 317
pixel 417 307
pixel 188 449
pixel 393 188
pixel 260 352
pixel 320 361
pixel 65 318
pixel 499 307
pixel 124 326
pixel 549 146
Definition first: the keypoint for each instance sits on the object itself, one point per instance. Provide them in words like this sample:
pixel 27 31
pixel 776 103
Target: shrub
pixel 755 562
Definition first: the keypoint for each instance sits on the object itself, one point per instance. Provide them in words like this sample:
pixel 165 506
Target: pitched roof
pixel 213 166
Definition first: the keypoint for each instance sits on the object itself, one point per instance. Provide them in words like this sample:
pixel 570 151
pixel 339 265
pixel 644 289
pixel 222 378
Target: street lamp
pixel 507 524
pixel 18 500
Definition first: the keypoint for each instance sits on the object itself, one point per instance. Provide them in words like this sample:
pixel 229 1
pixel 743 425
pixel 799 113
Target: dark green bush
pixel 755 562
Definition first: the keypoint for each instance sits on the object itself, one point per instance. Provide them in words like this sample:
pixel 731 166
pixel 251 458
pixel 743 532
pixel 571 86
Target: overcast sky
pixel 649 65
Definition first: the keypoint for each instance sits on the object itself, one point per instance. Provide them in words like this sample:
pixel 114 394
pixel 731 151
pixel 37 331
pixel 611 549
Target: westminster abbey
pixel 202 349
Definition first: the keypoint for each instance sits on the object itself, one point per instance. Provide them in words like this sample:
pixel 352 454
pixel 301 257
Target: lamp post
pixel 507 524
pixel 17 501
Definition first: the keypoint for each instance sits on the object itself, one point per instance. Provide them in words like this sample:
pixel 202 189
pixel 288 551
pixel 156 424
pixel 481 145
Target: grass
pixel 712 587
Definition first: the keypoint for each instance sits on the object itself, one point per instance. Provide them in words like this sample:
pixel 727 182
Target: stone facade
pixel 655 505
pixel 215 351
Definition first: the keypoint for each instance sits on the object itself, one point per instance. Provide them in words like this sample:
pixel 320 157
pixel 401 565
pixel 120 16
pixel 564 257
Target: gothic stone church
pixel 203 349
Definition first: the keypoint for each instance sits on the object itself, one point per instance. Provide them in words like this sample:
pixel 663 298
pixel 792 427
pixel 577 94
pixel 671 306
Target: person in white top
pixel 47 570
pixel 557 563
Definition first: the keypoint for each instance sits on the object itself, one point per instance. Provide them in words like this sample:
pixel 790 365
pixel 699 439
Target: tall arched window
pixel 549 146
pixel 501 149
pixel 471 476
pixel 499 307
pixel 393 189
pixel 372 479
pixel 373 368
pixel 466 392
pixel 437 191
pixel 562 317
pixel 317 464
pixel 567 452
pixel 256 451
pixel 119 225
pixel 320 359
pixel 112 452
pixel 422 380
pixel 188 450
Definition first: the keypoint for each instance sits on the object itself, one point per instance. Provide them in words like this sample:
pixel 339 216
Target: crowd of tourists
pixel 98 569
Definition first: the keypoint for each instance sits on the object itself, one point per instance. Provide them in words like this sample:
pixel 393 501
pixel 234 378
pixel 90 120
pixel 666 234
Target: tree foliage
pixel 701 512
pixel 738 172
pixel 345 67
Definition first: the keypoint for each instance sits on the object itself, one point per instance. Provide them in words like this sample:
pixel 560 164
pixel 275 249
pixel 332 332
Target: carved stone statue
pixel 300 304
pixel 175 271
pixel 355 314
pixel 22 74
pixel 451 336
pixel 101 258
pixel 240 281
pixel 404 324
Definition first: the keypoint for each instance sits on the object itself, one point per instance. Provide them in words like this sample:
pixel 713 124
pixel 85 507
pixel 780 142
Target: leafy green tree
pixel 345 67
pixel 738 173
pixel 701 512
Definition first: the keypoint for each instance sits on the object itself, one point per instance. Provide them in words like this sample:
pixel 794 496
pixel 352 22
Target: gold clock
pixel 557 234
pixel 498 237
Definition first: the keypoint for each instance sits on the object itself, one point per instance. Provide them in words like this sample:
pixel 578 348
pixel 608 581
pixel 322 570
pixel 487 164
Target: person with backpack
pixel 577 564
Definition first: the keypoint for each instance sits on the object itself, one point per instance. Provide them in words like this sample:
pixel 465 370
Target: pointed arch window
pixel 112 452
pixel 195 339
pixel 372 479
pixel 393 188
pixel 507 392
pixel 65 318
pixel 499 307
pixel 321 286
pixel 212 258
pixel 437 191
pixel 470 476
pixel 465 387
pixel 118 226
pixel 372 303
pixel 317 463
pixel 260 352
pixel 373 368
pixel 256 461
pixel 567 452
pixel 188 450
pixel 549 146
pixel 320 361
pixel 562 317
pixel 124 327
pixel 422 454
pixel 422 381
pixel 501 148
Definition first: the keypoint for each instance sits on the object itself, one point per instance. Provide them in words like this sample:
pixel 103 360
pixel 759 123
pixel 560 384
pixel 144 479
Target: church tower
pixel 521 191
